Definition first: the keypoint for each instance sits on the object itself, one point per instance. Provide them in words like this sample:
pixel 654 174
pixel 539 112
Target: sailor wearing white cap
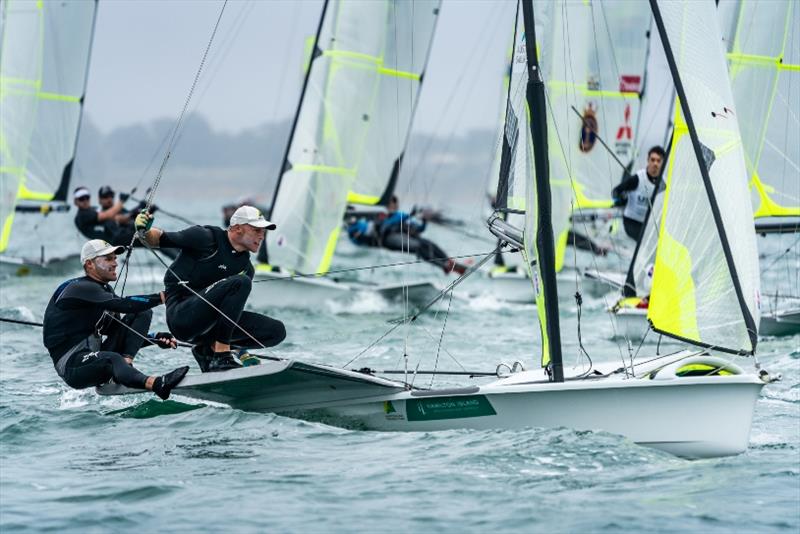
pixel 89 341
pixel 94 223
pixel 215 263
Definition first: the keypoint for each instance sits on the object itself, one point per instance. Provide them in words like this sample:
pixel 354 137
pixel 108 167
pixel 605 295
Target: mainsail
pixel 44 59
pixel 764 63
pixel 706 278
pixel 593 57
pixel 352 125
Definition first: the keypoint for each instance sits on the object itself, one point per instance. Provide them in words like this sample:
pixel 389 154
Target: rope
pixel 441 337
pixel 408 320
pixel 364 268
pixel 171 144
pixel 17 321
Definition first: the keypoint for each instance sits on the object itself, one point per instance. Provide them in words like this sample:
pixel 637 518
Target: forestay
pixel 44 60
pixel 764 62
pixel 706 281
pixel 352 125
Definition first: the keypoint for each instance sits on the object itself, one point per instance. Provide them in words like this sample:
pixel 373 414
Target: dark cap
pixel 105 191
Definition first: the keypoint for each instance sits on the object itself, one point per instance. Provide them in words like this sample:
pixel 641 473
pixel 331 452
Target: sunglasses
pixel 81 199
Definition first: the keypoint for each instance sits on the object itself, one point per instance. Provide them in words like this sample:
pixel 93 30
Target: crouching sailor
pixel 207 288
pixel 84 309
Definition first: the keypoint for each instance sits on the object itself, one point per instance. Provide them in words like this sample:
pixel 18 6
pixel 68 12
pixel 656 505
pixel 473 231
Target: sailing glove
pixel 164 340
pixel 143 222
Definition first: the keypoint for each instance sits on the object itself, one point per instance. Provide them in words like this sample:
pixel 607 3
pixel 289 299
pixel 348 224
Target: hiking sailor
pixel 215 263
pixel 84 309
pixel 400 231
pixel 640 188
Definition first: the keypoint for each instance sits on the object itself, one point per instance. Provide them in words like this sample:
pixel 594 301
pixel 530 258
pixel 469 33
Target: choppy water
pixel 70 460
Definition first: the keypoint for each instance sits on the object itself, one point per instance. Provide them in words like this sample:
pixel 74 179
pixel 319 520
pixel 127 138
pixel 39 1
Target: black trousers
pixel 122 340
pixel 424 249
pixel 632 228
pixel 86 369
pixel 194 321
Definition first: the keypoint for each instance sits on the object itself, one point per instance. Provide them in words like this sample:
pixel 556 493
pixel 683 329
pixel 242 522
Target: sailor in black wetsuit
pixel 215 264
pixel 83 309
pixel 93 223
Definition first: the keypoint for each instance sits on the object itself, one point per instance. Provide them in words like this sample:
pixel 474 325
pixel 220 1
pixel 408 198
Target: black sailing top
pixel 76 307
pixel 206 257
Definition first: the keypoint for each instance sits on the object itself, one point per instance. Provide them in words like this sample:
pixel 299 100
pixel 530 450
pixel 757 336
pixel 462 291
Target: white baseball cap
pixel 252 216
pixel 81 192
pixel 97 247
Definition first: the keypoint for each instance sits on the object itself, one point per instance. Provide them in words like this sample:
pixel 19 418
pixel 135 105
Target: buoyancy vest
pixel 639 198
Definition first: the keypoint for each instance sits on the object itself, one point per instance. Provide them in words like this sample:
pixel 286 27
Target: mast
pixel 545 244
pixel 315 52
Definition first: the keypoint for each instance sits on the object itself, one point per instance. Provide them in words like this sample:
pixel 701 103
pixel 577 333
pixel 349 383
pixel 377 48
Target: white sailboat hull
pixel 695 417
pixel 630 323
pixel 12 266
pixel 280 289
pixel 780 323
pixel 651 413
pixel 516 287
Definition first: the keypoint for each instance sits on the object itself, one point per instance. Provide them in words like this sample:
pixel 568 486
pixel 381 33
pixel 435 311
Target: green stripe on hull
pixel 459 407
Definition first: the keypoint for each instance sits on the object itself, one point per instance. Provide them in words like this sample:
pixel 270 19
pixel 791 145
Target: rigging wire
pixel 364 268
pixel 441 337
pixel 179 123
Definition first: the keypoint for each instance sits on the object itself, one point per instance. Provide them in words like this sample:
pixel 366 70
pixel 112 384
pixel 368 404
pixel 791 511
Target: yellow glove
pixel 143 222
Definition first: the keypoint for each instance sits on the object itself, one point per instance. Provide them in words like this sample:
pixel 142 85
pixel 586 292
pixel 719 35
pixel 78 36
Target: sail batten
pixel 352 124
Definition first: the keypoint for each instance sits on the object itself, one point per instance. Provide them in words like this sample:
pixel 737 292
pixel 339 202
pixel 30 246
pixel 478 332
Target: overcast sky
pixel 146 53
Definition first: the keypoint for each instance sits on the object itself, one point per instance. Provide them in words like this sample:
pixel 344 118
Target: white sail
pixel 706 278
pixel 352 125
pixel 44 58
pixel 593 58
pixel 764 62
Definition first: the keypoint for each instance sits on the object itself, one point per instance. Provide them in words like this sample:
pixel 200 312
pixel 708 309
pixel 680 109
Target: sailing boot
pixel 164 384
pixel 222 361
pixel 202 355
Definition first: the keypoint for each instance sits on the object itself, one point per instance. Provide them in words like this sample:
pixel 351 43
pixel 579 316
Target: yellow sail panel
pixel 330 247
pixel 26 194
pixel 673 308
pixel 6 231
pixel 366 200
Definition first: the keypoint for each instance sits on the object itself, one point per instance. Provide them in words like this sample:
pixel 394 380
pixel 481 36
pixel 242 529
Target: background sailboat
pixel 44 60
pixel 348 139
pixel 764 63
